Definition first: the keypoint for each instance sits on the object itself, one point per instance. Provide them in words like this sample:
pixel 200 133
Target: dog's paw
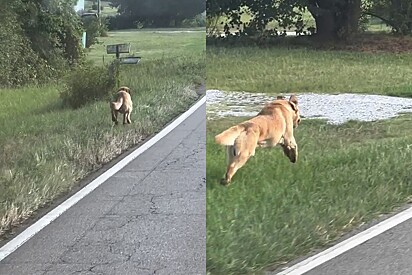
pixel 224 182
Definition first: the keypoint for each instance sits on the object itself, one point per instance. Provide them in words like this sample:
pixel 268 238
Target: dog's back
pixel 123 102
pixel 123 105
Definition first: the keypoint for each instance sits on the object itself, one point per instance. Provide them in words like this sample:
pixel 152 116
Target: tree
pixel 334 18
pixel 159 13
pixel 52 26
pixel 42 38
pixel 395 13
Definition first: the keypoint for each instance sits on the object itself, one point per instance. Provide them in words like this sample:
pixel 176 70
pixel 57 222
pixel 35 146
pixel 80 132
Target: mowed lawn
pixel 46 148
pixel 275 211
pixel 277 70
pixel 152 44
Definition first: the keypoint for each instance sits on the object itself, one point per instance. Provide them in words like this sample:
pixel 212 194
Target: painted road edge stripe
pixel 340 248
pixel 24 236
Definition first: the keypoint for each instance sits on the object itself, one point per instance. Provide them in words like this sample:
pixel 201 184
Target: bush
pixel 39 45
pixel 89 83
pixel 197 21
pixel 20 64
pixel 94 28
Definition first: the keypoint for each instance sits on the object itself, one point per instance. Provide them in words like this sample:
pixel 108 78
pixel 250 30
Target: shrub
pixel 197 21
pixel 89 83
pixel 94 28
pixel 20 64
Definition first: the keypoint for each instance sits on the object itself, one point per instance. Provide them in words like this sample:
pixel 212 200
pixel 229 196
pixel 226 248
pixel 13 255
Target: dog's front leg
pixel 290 148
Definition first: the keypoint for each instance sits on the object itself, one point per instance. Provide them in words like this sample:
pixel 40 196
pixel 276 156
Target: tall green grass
pixel 277 70
pixel 275 211
pixel 46 148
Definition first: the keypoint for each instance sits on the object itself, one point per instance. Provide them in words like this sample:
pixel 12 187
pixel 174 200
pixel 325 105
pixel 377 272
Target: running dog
pixel 272 126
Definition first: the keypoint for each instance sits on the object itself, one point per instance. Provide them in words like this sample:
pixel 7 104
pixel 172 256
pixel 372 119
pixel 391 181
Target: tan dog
pixel 123 105
pixel 272 126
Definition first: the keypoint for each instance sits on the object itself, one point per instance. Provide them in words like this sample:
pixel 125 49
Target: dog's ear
pixel 280 97
pixel 293 101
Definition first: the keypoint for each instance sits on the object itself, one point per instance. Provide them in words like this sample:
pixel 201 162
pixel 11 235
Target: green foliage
pixel 395 13
pixel 197 21
pixel 334 18
pixel 89 83
pixel 160 13
pixel 53 28
pixel 15 68
pixel 94 27
pixel 42 38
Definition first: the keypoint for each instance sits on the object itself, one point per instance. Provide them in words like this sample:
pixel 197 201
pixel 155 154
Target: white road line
pixel 338 249
pixel 23 237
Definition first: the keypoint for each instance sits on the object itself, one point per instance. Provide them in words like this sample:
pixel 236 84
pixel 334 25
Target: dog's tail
pixel 229 136
pixel 115 105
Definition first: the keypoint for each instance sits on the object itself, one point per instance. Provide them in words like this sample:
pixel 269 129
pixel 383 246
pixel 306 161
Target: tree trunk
pixel 350 18
pixel 334 19
pixel 326 26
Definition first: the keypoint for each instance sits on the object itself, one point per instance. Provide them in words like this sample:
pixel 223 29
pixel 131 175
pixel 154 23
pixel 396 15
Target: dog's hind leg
pixel 230 154
pixel 243 149
pixel 129 121
pixel 235 165
pixel 114 116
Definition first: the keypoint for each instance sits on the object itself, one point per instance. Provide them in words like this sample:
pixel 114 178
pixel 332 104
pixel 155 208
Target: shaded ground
pixel 365 42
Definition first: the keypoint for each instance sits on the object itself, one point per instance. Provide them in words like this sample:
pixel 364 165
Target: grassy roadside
pixel 275 211
pixel 45 148
pixel 277 70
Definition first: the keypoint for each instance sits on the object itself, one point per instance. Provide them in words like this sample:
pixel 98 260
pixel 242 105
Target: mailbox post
pixel 122 48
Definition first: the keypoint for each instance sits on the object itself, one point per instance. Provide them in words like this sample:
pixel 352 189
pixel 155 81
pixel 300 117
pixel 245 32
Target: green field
pixel 153 44
pixel 275 211
pixel 276 70
pixel 46 148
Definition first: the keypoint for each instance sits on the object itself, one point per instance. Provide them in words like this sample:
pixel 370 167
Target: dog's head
pixel 293 102
pixel 124 88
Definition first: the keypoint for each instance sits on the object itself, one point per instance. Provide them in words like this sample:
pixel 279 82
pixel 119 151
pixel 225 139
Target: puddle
pixel 336 109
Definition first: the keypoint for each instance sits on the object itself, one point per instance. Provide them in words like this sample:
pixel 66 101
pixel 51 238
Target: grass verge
pixel 45 148
pixel 276 211
pixel 278 70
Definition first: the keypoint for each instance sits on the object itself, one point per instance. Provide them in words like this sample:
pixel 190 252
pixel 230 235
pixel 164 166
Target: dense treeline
pixel 334 19
pixel 159 13
pixel 39 40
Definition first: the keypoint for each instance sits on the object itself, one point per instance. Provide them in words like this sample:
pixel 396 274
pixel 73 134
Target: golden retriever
pixel 273 125
pixel 123 105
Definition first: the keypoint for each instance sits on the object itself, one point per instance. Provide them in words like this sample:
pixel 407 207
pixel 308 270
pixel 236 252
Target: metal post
pixel 98 8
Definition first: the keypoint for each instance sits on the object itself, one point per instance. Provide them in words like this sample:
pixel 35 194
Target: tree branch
pixel 386 21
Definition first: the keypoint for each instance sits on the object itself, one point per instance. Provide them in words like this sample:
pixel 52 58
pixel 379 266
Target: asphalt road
pixel 149 218
pixel 389 253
